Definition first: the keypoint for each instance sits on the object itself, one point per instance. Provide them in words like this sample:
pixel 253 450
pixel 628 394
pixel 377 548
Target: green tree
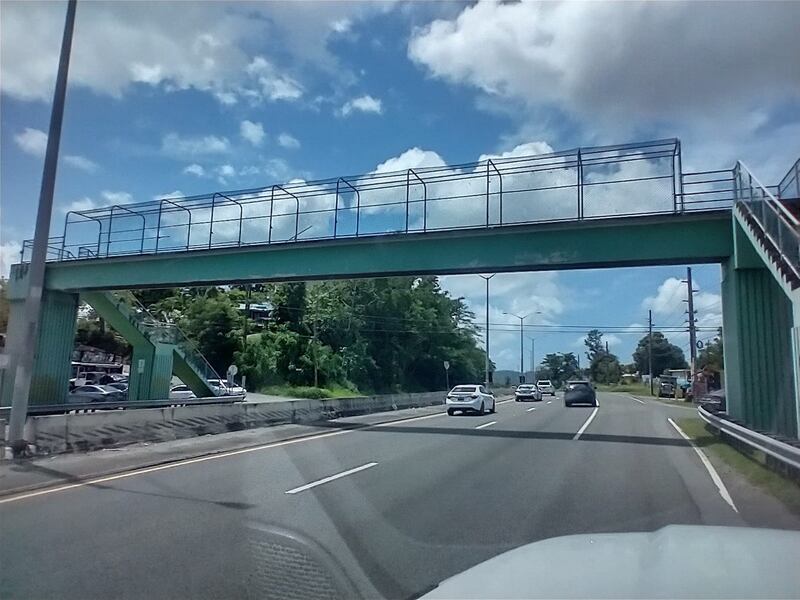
pixel 594 342
pixel 605 368
pixel 559 368
pixel 214 324
pixel 712 355
pixel 665 355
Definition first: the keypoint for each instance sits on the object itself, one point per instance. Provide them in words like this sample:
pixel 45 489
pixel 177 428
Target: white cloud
pixel 341 25
pixel 116 197
pixel 526 149
pixel 224 172
pixel 81 162
pixel 365 104
pixel 413 158
pixel 9 255
pixel 249 171
pixel 85 203
pixel 670 309
pixel 170 195
pixel 271 84
pixel 288 141
pixel 176 146
pixel 195 169
pixel 32 141
pixel 252 132
pixel 202 46
pixel 631 67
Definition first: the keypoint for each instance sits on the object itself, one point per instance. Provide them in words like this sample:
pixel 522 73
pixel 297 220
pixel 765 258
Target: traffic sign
pixel 446 365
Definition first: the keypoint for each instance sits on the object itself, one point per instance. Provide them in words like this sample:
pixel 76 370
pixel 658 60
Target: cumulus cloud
pixel 32 141
pixel 365 104
pixel 631 67
pixel 201 46
pixel 116 197
pixel 81 162
pixel 179 147
pixel 252 132
pixel 195 169
pixel 341 25
pixel 84 203
pixel 413 158
pixel 287 140
pixel 170 195
pixel 669 309
pixel 9 255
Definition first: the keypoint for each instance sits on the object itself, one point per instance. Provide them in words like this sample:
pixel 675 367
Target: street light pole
pixel 533 356
pixel 22 344
pixel 486 354
pixel 521 343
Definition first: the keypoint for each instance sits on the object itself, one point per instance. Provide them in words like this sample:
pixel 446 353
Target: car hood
pixel 678 561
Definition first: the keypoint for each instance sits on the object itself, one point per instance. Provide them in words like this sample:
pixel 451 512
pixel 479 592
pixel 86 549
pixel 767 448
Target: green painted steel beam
pixel 619 242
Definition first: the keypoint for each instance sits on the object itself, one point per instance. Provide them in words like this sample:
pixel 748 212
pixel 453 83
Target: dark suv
pixel 579 392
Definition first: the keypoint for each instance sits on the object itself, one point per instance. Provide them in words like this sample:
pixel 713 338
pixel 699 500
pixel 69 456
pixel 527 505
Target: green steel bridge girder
pixel 620 242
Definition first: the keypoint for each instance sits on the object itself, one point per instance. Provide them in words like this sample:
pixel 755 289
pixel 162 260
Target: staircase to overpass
pixel 622 205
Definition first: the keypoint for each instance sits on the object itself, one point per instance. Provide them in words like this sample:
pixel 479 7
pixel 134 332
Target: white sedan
pixel 469 398
pixel 527 391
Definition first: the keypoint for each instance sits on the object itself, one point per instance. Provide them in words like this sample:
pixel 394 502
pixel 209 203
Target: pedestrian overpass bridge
pixel 611 206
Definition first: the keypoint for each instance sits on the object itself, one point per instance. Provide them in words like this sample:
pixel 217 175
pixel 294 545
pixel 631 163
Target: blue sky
pixel 192 98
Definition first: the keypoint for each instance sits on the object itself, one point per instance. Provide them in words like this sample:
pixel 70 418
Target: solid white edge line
pixel 531 409
pixel 723 491
pixel 637 400
pixel 314 484
pixel 486 424
pixel 586 423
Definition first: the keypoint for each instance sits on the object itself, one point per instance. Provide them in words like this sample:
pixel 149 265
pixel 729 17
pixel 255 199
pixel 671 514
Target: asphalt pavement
pixel 394 508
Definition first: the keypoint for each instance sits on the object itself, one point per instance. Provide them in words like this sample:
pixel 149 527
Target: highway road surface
pixel 395 508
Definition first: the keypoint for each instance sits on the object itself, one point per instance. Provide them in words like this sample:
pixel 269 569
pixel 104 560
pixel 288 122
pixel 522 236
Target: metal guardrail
pixel 785 453
pixel 53 409
pixel 580 184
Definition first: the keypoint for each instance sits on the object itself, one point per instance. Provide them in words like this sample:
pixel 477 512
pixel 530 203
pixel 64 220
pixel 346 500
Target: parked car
pixel 122 386
pixel 469 398
pixel 714 401
pixel 666 387
pixel 181 392
pixel 221 388
pixel 95 393
pixel 528 391
pixel 580 392
pixel 546 387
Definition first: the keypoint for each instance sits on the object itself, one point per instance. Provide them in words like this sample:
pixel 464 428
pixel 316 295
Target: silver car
pixel 95 393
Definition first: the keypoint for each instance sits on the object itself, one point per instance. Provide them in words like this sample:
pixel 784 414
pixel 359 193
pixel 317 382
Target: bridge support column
pixel 760 341
pixel 151 371
pixel 56 339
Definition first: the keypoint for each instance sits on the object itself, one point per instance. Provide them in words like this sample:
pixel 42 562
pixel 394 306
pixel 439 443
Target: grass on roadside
pixel 786 490
pixel 641 389
pixel 309 392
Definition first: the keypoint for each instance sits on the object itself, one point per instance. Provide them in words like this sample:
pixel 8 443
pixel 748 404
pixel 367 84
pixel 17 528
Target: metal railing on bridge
pixel 777 223
pixel 581 184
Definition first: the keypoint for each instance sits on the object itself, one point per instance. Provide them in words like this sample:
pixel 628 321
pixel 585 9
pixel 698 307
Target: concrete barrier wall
pixel 102 429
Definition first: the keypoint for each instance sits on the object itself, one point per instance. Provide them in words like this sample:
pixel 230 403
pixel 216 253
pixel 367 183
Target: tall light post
pixel 521 343
pixel 533 356
pixel 23 332
pixel 486 357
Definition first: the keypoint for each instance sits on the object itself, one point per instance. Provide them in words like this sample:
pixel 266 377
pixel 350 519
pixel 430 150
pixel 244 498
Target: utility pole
pixel 246 314
pixel 486 357
pixel 650 347
pixel 316 370
pixel 690 292
pixel 533 356
pixel 521 345
pixel 22 345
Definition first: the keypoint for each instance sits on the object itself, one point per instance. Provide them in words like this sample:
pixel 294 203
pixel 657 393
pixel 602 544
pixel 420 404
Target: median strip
pixel 486 424
pixel 314 484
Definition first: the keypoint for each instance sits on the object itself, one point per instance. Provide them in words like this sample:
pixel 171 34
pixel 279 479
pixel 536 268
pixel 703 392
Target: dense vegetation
pixel 381 335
